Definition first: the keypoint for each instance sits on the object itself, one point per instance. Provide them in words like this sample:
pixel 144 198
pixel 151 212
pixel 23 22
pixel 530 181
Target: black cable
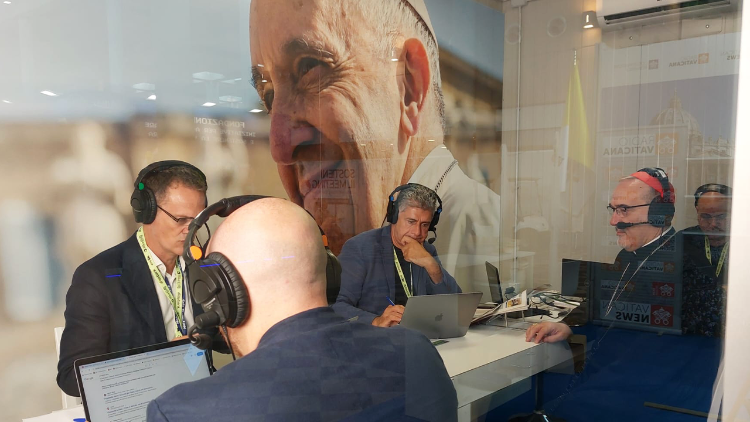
pixel 229 343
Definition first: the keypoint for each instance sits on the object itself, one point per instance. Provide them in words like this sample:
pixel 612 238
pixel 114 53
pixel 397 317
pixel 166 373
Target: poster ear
pixel 414 84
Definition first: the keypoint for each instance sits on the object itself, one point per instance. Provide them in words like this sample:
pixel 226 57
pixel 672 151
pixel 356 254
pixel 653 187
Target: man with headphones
pixel 264 278
pixel 706 260
pixel 641 208
pixel 382 268
pixel 136 294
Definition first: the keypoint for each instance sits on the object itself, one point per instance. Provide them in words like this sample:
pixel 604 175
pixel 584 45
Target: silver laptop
pixel 441 316
pixel 118 386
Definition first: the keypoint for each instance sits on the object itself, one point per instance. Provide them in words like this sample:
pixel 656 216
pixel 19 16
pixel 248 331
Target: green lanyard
pixel 401 274
pixel 177 300
pixel 722 258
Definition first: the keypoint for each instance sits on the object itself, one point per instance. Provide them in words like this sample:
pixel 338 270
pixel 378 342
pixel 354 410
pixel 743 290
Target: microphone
pixel 204 320
pixel 623 226
pixel 432 239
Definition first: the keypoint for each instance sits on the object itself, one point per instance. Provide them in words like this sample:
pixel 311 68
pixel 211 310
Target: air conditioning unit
pixel 628 13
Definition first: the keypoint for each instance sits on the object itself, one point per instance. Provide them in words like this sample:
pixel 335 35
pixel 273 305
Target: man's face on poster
pixel 334 105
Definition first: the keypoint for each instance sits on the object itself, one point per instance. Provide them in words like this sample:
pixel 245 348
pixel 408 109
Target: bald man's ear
pixel 414 84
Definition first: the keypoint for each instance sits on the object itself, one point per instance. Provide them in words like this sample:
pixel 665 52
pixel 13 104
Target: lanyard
pixel 722 258
pixel 178 303
pixel 401 275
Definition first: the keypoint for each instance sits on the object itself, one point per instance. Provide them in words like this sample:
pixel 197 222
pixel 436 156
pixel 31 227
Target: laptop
pixel 493 278
pixel 119 386
pixel 441 316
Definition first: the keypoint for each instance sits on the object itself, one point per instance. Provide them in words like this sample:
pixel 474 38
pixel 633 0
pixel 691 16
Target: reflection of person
pixel 642 208
pixel 393 263
pixel 706 259
pixel 354 93
pixel 135 294
pixel 298 359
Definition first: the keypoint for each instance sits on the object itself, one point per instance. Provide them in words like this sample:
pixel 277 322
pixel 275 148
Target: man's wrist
pixel 435 272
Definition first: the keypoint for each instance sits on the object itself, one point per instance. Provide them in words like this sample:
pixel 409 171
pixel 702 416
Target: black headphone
pixel 392 210
pixel 712 187
pixel 217 285
pixel 661 208
pixel 143 199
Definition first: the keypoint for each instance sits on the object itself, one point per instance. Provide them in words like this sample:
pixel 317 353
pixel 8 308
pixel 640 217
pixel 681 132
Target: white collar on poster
pixel 434 169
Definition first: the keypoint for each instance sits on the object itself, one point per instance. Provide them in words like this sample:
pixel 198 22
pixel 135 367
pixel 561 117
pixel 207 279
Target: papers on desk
pixel 517 303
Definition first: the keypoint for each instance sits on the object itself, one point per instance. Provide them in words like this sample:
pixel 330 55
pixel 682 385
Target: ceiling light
pixel 264 80
pixel 7 102
pixel 443 146
pixel 151 97
pixel 6 2
pixel 260 65
pixel 208 76
pixel 430 140
pixel 208 104
pixel 144 86
pixel 49 93
pixel 394 60
pixel 255 110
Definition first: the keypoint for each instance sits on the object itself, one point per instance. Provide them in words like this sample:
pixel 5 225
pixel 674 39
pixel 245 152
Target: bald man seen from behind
pixel 297 359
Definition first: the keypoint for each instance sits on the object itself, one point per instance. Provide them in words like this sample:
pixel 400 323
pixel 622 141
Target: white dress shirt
pixel 468 233
pixel 166 306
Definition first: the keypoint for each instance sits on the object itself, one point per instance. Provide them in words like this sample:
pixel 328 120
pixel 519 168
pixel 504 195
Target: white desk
pixel 490 358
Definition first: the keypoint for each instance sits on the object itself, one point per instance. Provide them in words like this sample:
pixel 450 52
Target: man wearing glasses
pixel 641 208
pixel 136 293
pixel 706 262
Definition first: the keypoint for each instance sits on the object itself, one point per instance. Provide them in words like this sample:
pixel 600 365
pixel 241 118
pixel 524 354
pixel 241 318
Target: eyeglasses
pixel 622 210
pixel 182 221
pixel 718 218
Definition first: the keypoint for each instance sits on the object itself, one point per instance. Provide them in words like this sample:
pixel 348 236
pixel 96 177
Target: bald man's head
pixel 277 249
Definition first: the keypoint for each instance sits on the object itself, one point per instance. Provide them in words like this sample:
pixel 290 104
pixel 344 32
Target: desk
pixel 490 358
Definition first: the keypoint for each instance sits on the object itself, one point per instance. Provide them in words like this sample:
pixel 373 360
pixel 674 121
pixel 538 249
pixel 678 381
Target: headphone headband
pixel 222 208
pixel 712 187
pixel 163 165
pixel 657 179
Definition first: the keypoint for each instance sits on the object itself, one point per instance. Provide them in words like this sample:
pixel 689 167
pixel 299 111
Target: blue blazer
pixel 317 367
pixel 368 276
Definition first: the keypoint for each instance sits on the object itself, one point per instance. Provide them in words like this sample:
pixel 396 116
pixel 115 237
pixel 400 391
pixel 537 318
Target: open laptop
pixel 441 316
pixel 493 278
pixel 118 386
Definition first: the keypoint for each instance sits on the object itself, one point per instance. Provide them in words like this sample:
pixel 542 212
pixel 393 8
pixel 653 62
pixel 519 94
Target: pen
pixel 389 300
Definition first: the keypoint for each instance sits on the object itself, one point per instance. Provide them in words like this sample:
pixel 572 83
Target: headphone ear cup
pixel 149 206
pixel 143 202
pixel 391 212
pixel 333 277
pixel 238 300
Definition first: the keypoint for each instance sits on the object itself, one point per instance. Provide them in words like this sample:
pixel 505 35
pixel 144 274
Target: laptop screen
pixel 118 386
pixel 493 278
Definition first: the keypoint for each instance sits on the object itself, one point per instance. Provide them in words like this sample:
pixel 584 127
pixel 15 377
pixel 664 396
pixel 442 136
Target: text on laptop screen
pixel 121 388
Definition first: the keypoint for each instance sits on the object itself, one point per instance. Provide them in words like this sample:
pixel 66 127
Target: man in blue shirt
pixel 299 360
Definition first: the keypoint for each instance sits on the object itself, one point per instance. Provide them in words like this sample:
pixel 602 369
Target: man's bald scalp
pixel 272 240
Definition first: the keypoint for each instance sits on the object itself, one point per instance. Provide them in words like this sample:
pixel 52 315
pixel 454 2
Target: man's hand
pixel 415 253
pixel 391 316
pixel 179 338
pixel 548 332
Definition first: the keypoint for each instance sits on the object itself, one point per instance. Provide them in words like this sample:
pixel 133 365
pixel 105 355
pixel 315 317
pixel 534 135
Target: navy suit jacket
pixel 316 366
pixel 111 305
pixel 368 276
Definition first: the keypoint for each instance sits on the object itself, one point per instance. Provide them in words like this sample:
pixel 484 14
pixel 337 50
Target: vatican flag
pixel 574 137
